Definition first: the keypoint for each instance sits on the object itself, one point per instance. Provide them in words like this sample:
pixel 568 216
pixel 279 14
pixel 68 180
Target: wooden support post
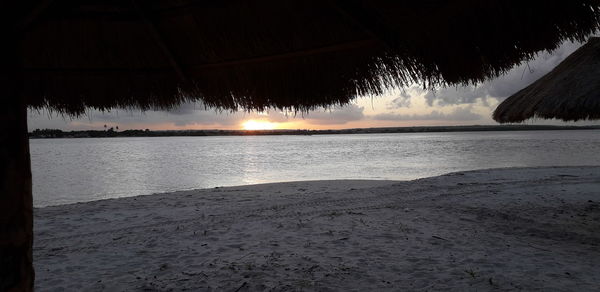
pixel 16 206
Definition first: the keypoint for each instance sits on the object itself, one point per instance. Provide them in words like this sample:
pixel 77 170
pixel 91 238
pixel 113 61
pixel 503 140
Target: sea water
pixel 79 170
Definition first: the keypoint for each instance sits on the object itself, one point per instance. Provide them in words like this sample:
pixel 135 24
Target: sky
pixel 400 107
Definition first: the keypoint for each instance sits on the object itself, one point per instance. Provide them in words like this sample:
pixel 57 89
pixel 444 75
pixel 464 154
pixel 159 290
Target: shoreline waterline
pixel 353 183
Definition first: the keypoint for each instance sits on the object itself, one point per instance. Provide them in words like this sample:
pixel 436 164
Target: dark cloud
pixel 402 100
pixel 196 114
pixel 503 86
pixel 189 115
pixel 187 108
pixel 527 73
pixel 458 114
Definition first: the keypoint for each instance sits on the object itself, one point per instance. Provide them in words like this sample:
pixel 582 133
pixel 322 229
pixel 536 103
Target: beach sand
pixel 500 229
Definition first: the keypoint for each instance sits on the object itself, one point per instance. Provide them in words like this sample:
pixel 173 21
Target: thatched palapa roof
pixel 296 54
pixel 570 92
pixel 69 55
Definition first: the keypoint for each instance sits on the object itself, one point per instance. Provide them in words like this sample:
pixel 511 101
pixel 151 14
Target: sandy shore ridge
pixel 499 229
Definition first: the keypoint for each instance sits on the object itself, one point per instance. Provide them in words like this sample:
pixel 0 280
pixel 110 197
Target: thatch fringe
pixel 570 92
pixel 294 54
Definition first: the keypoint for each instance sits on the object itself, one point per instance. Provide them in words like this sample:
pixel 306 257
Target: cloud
pixel 456 95
pixel 458 114
pixel 336 116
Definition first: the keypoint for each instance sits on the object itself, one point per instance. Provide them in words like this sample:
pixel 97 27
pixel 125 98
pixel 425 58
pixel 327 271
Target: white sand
pixel 504 229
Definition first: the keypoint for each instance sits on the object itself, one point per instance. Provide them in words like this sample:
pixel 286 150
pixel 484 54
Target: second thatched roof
pixel 570 92
pixel 293 54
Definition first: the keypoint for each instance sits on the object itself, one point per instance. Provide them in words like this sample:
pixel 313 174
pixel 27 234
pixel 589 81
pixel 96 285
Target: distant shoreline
pixel 110 133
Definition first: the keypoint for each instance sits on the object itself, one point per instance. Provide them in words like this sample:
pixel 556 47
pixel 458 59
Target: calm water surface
pixel 79 170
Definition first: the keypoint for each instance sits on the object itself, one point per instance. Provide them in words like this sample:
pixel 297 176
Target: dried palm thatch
pixel 294 54
pixel 570 92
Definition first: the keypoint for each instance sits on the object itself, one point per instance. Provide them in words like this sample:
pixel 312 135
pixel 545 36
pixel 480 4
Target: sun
pixel 258 125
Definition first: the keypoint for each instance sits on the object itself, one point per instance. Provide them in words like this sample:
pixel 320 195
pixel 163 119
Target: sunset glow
pixel 258 125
